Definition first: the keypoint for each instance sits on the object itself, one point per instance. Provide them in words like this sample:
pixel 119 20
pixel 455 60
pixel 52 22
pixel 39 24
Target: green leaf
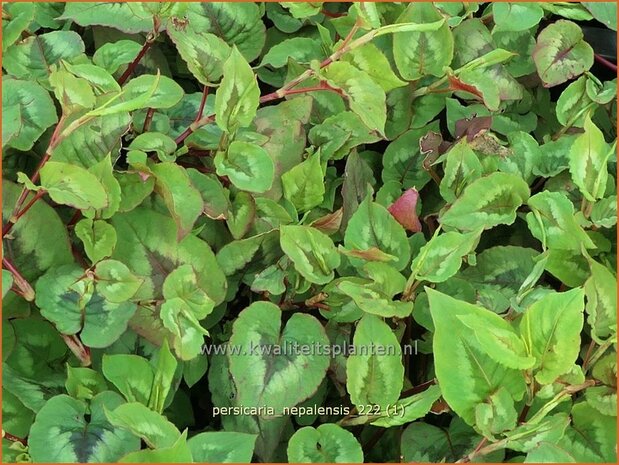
pixel 204 53
pixel 419 54
pixel 303 10
pixel 181 320
pixel 182 283
pixel 259 376
pixel 165 370
pixel 604 398
pixel 222 447
pixel 311 251
pixel 604 212
pixel 561 53
pixel 237 25
pixel 572 103
pixel 28 112
pixel 594 431
pixel 552 221
pixel 72 92
pixel 601 93
pixel 480 374
pixel 522 43
pixel 99 238
pixel 128 18
pixel 411 408
pixel 214 195
pixel 194 370
pixel 365 97
pixel 373 301
pixel 497 414
pixel 236 100
pixel 7 282
pixel 179 452
pixel 356 186
pixel 132 375
pixel 60 296
pixel 115 282
pixel 40 239
pixel 327 443
pixel 588 157
pixel 180 196
pixel 551 330
pixel 166 94
pixel 70 304
pixel 84 383
pixel 301 49
pixel 72 185
pixel 340 133
pixel 105 321
pixel 441 257
pixel 155 142
pixel 402 160
pixel 373 226
pixel 575 11
pixel 281 19
pixel 304 184
pixel 374 371
pixel 92 142
pixel 604 12
pixel 474 47
pixel 237 255
pixel 67 430
pixel 529 435
pixel 20 16
pixel 104 172
pixel 112 55
pixel 370 59
pixel 248 166
pixel 16 418
pixel 516 16
pixel 422 442
pixel 498 340
pixel 461 168
pixel 33 57
pixel 152 427
pixel 601 292
pixel 487 202
pixel 148 245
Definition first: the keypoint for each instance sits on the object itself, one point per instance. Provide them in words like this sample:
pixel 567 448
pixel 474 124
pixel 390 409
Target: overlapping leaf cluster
pixel 436 176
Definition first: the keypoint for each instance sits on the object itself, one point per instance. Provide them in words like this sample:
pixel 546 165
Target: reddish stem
pixel 523 414
pixel 148 119
pixel 131 68
pixel 27 292
pixel 330 14
pixel 202 103
pixel 75 218
pixel 419 388
pixel 473 454
pixel 53 143
pixel 147 45
pixel 199 121
pixel 7 227
pixel 79 350
pixel 285 90
pixel 603 61
pixel 13 438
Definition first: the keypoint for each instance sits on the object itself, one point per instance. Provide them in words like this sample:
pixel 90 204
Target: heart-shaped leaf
pixel 561 53
pixel 81 432
pixel 272 369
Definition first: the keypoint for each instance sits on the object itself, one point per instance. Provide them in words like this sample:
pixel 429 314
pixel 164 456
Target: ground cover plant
pixel 309 232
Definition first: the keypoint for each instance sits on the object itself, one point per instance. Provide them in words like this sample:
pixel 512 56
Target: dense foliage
pixel 211 209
